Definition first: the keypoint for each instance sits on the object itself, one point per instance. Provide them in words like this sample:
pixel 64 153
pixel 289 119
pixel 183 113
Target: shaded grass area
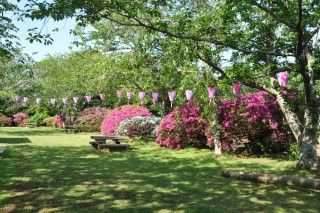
pixel 65 174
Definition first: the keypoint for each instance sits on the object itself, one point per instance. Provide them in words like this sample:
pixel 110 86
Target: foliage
pixel 90 119
pixel 20 119
pixel 141 127
pixel 182 127
pixel 5 121
pixel 37 115
pixel 255 123
pixel 49 122
pixel 113 119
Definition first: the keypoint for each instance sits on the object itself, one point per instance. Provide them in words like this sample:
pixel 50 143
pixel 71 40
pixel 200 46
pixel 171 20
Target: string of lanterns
pixel 281 76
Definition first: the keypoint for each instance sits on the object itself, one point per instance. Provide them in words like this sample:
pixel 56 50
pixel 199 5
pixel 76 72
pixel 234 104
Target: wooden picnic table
pixel 31 125
pixel 101 144
pixel 70 128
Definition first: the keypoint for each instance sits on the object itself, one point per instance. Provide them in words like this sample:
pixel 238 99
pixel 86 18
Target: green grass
pixel 46 170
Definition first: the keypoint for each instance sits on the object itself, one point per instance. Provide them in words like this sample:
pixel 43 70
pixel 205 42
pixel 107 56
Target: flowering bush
pixel 144 127
pixel 90 119
pixel 49 122
pixel 255 123
pixel 5 121
pixel 58 121
pixel 112 120
pixel 182 127
pixel 20 119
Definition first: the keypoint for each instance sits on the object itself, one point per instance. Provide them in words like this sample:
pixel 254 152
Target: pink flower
pixel 189 95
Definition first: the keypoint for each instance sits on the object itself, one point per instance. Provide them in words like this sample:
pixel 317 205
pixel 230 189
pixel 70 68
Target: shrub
pixel 58 121
pixel 49 122
pixel 20 119
pixel 253 123
pixel 90 119
pixel 182 127
pixel 38 118
pixel 112 120
pixel 143 127
pixel 5 121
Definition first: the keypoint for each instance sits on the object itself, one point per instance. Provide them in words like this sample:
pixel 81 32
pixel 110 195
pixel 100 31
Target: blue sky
pixel 62 39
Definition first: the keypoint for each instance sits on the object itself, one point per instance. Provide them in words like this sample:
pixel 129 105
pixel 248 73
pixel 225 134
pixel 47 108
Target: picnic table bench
pixel 101 144
pixel 31 125
pixel 70 128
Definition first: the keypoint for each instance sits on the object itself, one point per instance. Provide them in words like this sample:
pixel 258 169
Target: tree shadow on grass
pixel 80 179
pixel 15 140
pixel 18 131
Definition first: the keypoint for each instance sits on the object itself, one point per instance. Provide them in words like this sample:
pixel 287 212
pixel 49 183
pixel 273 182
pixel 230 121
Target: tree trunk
pixel 308 142
pixel 217 147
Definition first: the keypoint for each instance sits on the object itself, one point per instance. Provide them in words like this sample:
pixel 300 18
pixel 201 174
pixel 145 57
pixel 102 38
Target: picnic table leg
pixel 117 141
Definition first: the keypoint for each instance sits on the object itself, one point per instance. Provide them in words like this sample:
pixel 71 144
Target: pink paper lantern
pixel 142 96
pixel 25 101
pixel 75 100
pixel 38 101
pixel 17 98
pixel 282 78
pixel 88 98
pixel 189 94
pixel 53 101
pixel 155 97
pixel 212 92
pixel 65 100
pixel 172 96
pixel 129 96
pixel 236 89
pixel 102 96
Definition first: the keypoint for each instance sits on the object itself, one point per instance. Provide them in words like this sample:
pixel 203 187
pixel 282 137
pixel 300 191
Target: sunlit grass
pixel 47 170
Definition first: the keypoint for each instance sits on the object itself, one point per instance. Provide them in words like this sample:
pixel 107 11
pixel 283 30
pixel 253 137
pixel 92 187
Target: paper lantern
pixel 53 101
pixel 189 94
pixel 236 89
pixel 119 93
pixel 212 92
pixel 75 100
pixel 129 96
pixel 142 96
pixel 38 101
pixel 25 101
pixel 172 96
pixel 65 100
pixel 102 97
pixel 155 97
pixel 282 78
pixel 88 98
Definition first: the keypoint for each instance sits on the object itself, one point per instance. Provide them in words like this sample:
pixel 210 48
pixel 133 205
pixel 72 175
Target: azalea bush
pixel 58 121
pixel 113 119
pixel 5 121
pixel 142 127
pixel 20 119
pixel 182 127
pixel 253 123
pixel 90 119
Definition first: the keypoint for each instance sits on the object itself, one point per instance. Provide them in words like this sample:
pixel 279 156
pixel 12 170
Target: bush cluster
pixel 182 127
pixel 113 119
pixel 90 119
pixel 5 121
pixel 141 127
pixel 49 122
pixel 20 119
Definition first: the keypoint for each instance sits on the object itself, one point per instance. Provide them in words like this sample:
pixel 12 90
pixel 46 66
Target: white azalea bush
pixel 141 127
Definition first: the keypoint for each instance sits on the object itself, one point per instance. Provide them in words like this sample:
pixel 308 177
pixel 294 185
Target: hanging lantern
pixel 212 92
pixel 189 94
pixel 25 101
pixel 129 96
pixel 155 97
pixel 282 78
pixel 102 96
pixel 17 98
pixel 236 89
pixel 65 100
pixel 88 98
pixel 172 96
pixel 142 96
pixel 75 100
pixel 119 94
pixel 53 101
pixel 38 101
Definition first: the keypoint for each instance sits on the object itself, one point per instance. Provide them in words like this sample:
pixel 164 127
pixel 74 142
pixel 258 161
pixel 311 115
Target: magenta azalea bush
pixel 255 123
pixel 90 119
pixel 112 120
pixel 20 119
pixel 182 127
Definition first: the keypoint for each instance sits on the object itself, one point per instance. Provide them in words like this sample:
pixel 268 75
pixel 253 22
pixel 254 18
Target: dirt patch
pixel 9 208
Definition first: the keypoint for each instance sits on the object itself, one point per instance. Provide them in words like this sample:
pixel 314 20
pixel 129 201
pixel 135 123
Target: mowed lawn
pixel 46 170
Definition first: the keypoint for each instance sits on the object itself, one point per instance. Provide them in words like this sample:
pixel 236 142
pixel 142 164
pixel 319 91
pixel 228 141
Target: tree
pixel 263 36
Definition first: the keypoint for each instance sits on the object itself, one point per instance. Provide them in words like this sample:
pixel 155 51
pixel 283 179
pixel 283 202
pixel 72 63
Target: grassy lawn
pixel 46 170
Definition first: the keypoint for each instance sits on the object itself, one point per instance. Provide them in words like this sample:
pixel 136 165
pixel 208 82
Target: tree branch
pixel 273 15
pixel 211 63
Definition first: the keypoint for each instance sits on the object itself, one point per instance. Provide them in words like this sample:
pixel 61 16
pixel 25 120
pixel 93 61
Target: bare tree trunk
pixel 217 147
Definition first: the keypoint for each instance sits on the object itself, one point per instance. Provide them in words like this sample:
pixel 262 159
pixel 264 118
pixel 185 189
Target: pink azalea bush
pixel 58 121
pixel 90 119
pixel 255 123
pixel 112 120
pixel 20 119
pixel 182 127
pixel 5 121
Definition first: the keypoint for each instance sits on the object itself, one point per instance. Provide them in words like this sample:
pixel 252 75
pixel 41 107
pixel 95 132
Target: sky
pixel 62 39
